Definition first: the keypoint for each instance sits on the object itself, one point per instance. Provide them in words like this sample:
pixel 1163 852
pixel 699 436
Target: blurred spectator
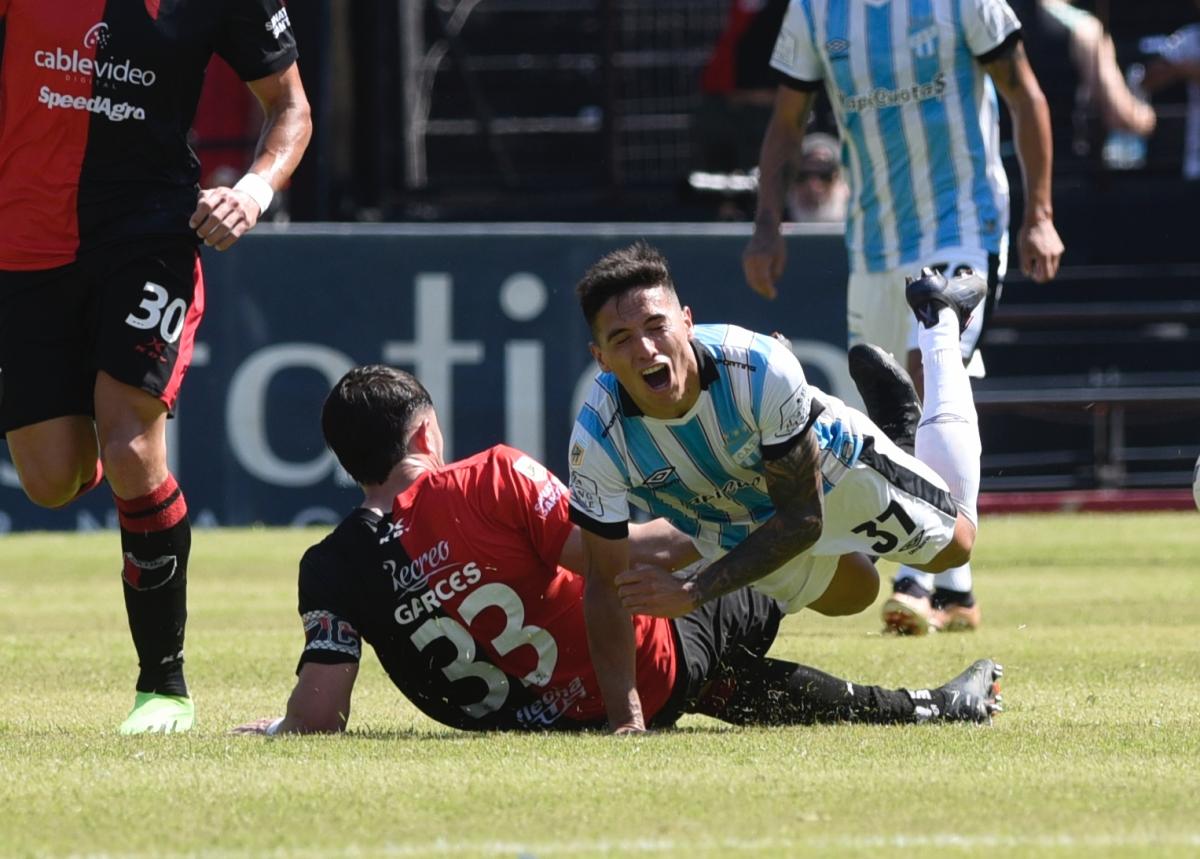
pixel 818 193
pixel 738 88
pixel 1179 60
pixel 1076 63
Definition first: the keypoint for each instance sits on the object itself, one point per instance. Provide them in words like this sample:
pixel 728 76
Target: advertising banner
pixel 484 315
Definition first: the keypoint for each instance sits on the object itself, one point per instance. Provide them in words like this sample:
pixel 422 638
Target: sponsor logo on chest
pixel 103 71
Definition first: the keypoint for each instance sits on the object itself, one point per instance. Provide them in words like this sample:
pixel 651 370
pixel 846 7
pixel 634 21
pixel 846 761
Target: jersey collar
pixel 708 375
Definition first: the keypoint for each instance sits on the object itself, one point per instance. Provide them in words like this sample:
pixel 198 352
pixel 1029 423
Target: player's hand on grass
pixel 627 729
pixel 645 589
pixel 260 726
pixel 223 216
pixel 1040 249
pixel 763 261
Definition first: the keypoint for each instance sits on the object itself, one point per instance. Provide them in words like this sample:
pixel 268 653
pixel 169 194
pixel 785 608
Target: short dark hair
pixel 633 267
pixel 367 419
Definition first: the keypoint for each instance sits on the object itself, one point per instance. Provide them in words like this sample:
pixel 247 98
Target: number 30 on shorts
pixel 167 316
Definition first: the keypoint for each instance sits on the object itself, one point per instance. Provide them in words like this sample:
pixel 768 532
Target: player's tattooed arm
pixel 794 483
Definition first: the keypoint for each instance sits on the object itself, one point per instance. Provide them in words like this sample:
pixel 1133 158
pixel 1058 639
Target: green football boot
pixel 159 714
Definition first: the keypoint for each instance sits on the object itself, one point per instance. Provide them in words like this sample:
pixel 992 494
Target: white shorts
pixel 797 583
pixel 888 503
pixel 877 312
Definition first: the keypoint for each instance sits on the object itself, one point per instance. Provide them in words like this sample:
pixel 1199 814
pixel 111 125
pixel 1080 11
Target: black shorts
pixel 715 639
pixel 130 310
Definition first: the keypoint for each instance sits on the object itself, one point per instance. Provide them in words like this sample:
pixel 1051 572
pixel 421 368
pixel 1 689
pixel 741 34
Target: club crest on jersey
pixel 923 42
pixel 747 455
pixel 661 478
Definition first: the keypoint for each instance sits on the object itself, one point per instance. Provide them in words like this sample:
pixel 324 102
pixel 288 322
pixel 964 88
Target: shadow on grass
pixel 435 735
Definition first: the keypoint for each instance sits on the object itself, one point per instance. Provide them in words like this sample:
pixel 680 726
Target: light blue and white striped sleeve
pixel 598 480
pixel 786 403
pixel 987 23
pixel 795 51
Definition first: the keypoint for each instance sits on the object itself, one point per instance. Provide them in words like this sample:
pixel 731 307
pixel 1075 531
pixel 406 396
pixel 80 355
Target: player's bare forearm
pixel 1038 244
pixel 661 544
pixel 320 703
pixel 765 255
pixel 780 144
pixel 610 632
pixel 613 651
pixel 224 215
pixel 794 482
pixel 1016 82
pixel 287 127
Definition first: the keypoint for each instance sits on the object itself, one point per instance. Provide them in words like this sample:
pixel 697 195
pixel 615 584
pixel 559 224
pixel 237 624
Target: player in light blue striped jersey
pixel 779 485
pixel 913 87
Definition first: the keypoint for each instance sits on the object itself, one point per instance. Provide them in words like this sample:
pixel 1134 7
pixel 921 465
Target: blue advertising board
pixel 486 317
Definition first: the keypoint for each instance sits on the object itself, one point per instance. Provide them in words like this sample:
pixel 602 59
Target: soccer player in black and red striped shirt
pixel 100 284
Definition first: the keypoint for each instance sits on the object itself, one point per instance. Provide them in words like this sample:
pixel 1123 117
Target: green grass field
pixel 1095 618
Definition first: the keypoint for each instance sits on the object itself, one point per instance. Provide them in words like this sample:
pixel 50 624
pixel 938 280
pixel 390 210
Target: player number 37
pixel 157 312
pixel 887 539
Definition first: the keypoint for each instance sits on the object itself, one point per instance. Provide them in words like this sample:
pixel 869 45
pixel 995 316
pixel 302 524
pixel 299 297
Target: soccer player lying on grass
pixel 459 575
pixel 716 429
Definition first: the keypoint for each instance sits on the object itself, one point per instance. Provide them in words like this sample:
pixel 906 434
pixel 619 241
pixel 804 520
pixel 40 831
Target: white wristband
pixel 258 188
pixel 273 728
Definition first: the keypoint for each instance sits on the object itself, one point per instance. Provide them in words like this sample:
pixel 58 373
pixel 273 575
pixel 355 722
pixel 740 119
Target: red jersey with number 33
pixel 96 101
pixel 483 538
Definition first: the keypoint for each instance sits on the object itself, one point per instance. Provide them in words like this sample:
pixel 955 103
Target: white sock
pixel 956 579
pixel 948 435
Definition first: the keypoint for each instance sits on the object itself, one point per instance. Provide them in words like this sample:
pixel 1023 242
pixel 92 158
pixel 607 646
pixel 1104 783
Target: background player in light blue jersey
pixel 911 84
pixel 779 485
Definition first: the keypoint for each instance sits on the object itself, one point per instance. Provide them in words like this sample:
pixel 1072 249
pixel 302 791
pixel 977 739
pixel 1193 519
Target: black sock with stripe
pixel 775 692
pixel 156 538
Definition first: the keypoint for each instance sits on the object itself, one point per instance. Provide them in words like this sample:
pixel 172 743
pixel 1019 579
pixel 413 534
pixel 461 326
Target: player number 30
pixel 167 317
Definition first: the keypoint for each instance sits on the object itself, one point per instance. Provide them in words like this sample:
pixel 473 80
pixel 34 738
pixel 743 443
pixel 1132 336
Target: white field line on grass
pixel 531 850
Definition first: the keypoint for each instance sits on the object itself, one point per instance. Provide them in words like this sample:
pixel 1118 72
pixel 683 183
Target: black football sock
pixel 775 692
pixel 155 541
pixel 943 597
pixel 909 585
